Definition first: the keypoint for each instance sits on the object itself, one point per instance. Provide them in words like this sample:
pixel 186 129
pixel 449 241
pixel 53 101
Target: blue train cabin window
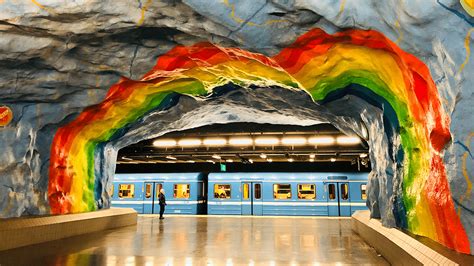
pixel 181 191
pixel 306 191
pixel 332 191
pixel 344 191
pixel 222 191
pixel 148 191
pixel 126 191
pixel 282 191
pixel 245 191
pixel 363 191
pixel 258 191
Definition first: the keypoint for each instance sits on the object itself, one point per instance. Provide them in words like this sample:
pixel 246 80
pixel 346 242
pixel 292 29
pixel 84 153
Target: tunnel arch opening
pixel 351 75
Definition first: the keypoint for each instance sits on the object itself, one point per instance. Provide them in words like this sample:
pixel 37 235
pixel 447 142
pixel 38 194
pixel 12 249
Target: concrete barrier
pixel 394 245
pixel 24 231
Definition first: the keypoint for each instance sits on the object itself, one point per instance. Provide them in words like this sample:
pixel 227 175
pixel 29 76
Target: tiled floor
pixel 207 240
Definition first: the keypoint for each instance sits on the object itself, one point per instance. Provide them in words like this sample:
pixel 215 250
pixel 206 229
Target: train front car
pixel 302 194
pixel 184 192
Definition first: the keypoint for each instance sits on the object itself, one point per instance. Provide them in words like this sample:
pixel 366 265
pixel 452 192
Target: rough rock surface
pixel 56 58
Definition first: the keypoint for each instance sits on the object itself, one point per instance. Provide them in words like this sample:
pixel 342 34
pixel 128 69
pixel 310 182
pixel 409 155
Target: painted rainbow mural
pixel 318 63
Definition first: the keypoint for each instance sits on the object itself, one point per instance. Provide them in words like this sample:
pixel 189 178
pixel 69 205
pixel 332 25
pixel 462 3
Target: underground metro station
pixel 236 132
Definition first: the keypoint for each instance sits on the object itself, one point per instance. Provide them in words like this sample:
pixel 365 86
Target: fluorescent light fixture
pixel 347 140
pixel 164 143
pixel 215 141
pixel 267 141
pixel 321 140
pixel 363 155
pixel 269 160
pixel 229 160
pixel 250 160
pixel 126 158
pixel 171 157
pixel 263 156
pixel 190 161
pixel 210 161
pixel 294 141
pixel 312 156
pixel 291 160
pixel 189 142
pixel 333 160
pixel 240 141
pixel 217 157
pixel 311 160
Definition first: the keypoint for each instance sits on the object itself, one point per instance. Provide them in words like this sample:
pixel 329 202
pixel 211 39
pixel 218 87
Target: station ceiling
pixel 248 143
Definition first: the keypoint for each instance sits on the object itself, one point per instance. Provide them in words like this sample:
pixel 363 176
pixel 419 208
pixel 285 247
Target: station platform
pixel 207 240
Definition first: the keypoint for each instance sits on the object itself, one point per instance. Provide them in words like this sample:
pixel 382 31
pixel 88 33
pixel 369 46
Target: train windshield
pixel 222 191
pixel 281 191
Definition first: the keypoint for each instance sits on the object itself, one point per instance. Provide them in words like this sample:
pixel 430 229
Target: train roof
pixel 288 176
pixel 159 176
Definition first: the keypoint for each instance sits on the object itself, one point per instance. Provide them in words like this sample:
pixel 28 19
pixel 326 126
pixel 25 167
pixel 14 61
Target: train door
pixel 252 198
pixel 148 200
pixel 246 198
pixel 338 199
pixel 257 208
pixel 344 199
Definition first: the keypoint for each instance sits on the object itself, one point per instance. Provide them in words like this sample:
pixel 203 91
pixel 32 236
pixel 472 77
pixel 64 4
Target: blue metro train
pixel 303 194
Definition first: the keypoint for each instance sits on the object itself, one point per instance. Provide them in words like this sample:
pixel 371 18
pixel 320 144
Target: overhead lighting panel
pixel 171 157
pixel 164 143
pixel 291 160
pixel 267 141
pixel 348 140
pixel 240 141
pixel 321 140
pixel 294 141
pixel 263 156
pixel 333 160
pixel 229 160
pixel 215 142
pixel 269 160
pixel 189 142
pixel 217 157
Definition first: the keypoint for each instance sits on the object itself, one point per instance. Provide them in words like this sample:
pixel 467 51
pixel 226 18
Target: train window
pixel 181 191
pixel 126 191
pixel 344 191
pixel 148 191
pixel 332 191
pixel 258 191
pixel 282 191
pixel 306 191
pixel 245 191
pixel 221 191
pixel 158 188
pixel 363 191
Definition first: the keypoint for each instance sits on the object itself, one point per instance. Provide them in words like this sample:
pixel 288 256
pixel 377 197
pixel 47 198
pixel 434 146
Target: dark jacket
pixel 162 199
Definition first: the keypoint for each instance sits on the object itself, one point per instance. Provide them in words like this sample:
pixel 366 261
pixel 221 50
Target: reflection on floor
pixel 207 240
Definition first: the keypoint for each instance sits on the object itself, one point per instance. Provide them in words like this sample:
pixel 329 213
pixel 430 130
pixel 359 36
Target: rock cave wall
pixel 57 59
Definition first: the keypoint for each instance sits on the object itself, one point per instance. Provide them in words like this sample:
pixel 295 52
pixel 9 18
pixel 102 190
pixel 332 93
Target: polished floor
pixel 208 240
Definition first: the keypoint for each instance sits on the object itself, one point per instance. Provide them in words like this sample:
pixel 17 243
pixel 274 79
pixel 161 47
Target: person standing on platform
pixel 162 201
